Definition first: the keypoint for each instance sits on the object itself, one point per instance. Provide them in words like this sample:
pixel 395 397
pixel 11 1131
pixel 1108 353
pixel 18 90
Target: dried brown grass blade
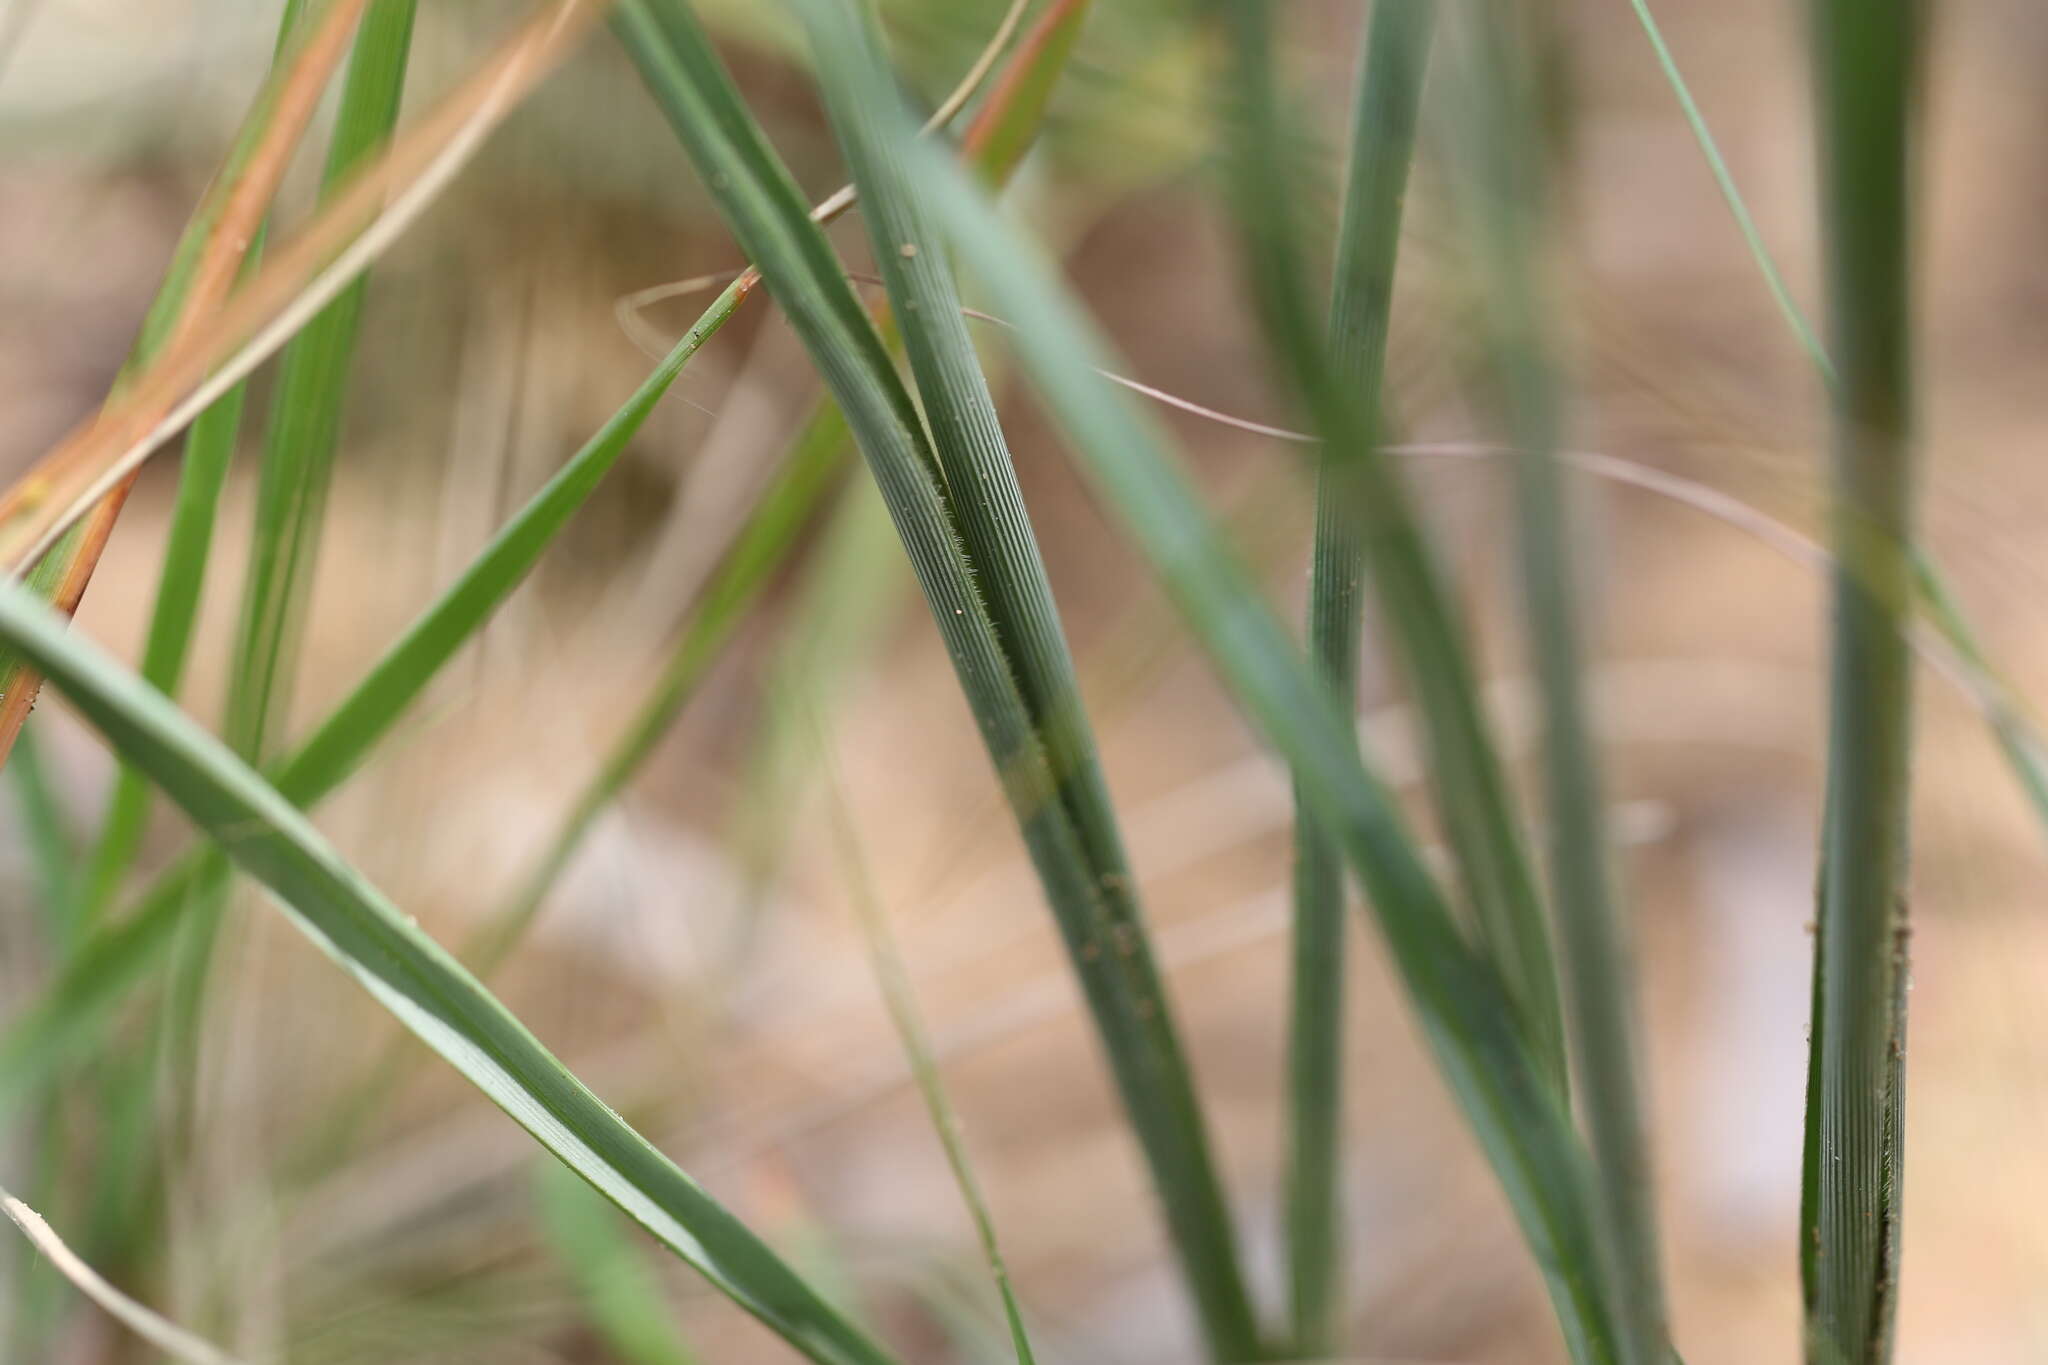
pixel 247 199
pixel 359 224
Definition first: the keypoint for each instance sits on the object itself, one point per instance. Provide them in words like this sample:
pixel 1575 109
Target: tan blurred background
pixel 745 1033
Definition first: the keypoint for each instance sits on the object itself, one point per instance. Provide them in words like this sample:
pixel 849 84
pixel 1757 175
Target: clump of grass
pixel 1523 998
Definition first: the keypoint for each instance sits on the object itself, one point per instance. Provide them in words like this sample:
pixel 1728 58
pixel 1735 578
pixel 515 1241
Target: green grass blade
pixel 305 423
pixel 420 983
pixel 208 450
pixel 1866 77
pixel 621 1296
pixel 847 594
pixel 1505 208
pixel 65 1022
pixel 762 206
pixel 995 531
pixel 345 738
pixel 1470 785
pixel 1392 61
pixel 893 979
pixel 1002 130
pixel 1467 1014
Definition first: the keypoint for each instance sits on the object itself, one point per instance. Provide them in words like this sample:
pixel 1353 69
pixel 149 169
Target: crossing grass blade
pixel 421 984
pixel 1392 60
pixel 763 544
pixel 762 206
pixel 63 1024
pixel 1468 1016
pixel 853 583
pixel 65 1020
pixel 1001 130
pixel 44 834
pixel 1469 785
pixel 994 528
pixel 1505 201
pixel 1866 62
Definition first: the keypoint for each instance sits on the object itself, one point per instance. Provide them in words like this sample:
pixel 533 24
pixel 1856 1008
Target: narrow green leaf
pixel 1467 1014
pixel 995 532
pixel 621 1295
pixel 41 1149
pixel 762 206
pixel 852 584
pixel 1866 81
pixel 305 421
pixel 208 449
pixel 1392 60
pixel 1505 211
pixel 333 751
pixel 60 577
pixel 338 746
pixel 1002 128
pixel 420 983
